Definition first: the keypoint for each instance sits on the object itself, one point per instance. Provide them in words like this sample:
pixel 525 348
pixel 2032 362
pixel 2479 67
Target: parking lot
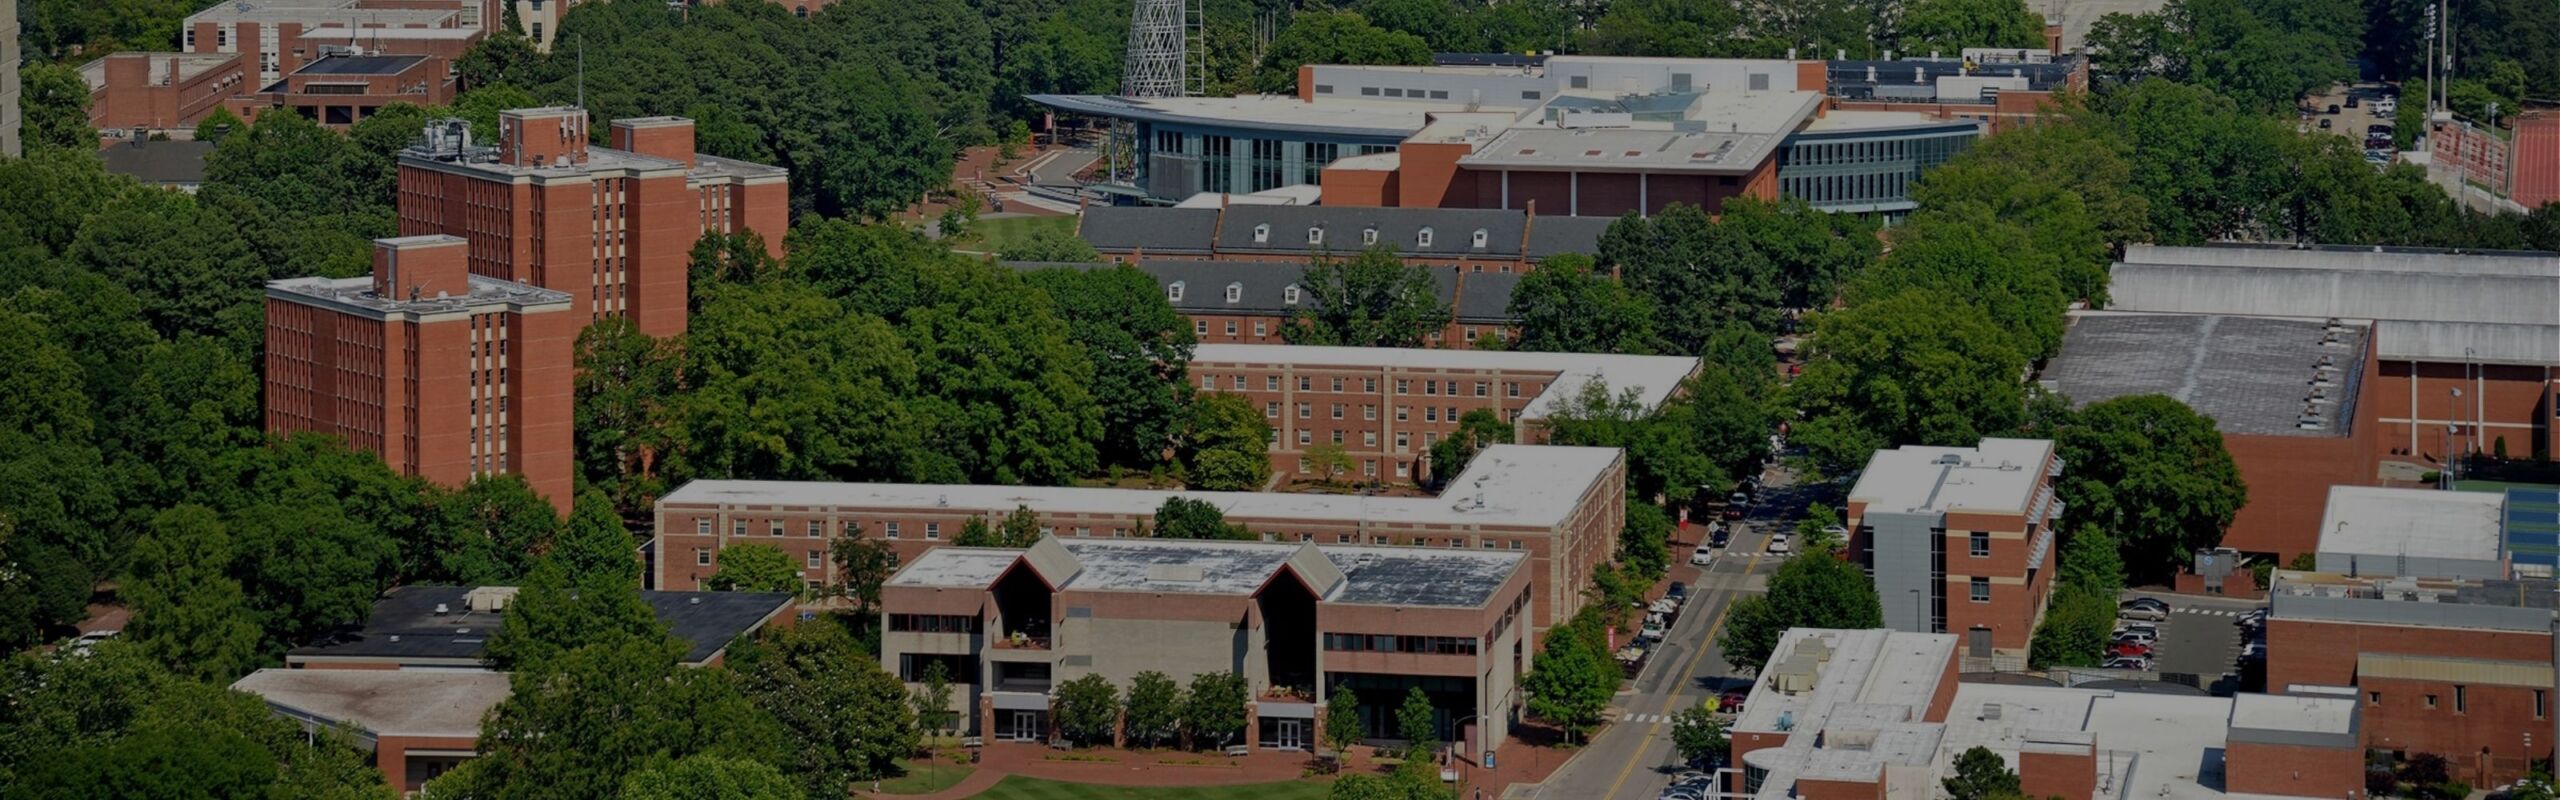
pixel 2199 639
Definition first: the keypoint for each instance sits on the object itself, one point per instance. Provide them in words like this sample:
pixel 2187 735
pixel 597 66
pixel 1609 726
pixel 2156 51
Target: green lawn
pixel 923 778
pixel 1017 787
pixel 995 235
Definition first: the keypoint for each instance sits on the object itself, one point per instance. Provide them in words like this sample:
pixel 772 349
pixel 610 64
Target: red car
pixel 1731 702
pixel 2129 649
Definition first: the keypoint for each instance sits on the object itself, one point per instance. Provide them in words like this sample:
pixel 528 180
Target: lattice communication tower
pixel 1165 58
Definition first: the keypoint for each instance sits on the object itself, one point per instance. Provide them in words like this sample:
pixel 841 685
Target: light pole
pixel 2453 425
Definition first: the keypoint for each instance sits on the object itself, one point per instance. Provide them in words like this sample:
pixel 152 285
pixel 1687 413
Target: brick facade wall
pixel 2497 718
pixel 2293 771
pixel 131 99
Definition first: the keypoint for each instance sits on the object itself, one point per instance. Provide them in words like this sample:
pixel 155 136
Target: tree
pixel 722 258
pixel 1914 368
pixel 755 568
pixel 1185 518
pixel 846 719
pixel 1334 37
pixel 1342 727
pixel 1368 300
pixel 1225 444
pixel 218 124
pixel 307 568
pixel 790 385
pixel 1140 350
pixel 1668 29
pixel 189 268
pixel 2074 633
pixel 1051 245
pixel 703 776
pixel 547 739
pixel 594 542
pixel 1644 543
pixel 862 565
pixel 1415 722
pixel 187 610
pixel 626 386
pixel 1567 306
pixel 1213 711
pixel 1813 589
pixel 1477 429
pixel 1088 709
pixel 2090 560
pixel 1574 677
pixel 488 532
pixel 1981 775
pixel 2153 471
pixel 1696 732
pixel 54 102
pixel 1021 528
pixel 552 614
pixel 1329 461
pixel 1154 704
pixel 1663 463
pixel 933 699
pixel 1809 530
pixel 158 762
pixel 1953 25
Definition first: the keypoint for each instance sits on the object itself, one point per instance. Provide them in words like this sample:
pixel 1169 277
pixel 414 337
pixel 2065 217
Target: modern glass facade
pixel 1183 161
pixel 1866 171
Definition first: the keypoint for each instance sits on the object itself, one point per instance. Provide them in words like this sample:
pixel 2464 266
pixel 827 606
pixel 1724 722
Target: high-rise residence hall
pixel 1385 406
pixel 1560 507
pixel 1298 622
pixel 611 227
pixel 1960 540
pixel 448 375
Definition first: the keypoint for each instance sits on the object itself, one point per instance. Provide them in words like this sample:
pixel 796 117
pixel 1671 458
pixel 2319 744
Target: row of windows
pixel 933 530
pixel 1307 383
pixel 1289 295
pixel 1381 643
pixel 1368 236
pixel 2462 700
pixel 933 623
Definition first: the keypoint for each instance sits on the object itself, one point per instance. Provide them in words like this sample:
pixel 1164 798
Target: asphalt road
pixel 1631 758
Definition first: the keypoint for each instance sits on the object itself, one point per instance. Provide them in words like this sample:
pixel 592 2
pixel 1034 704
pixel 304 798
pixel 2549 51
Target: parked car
pixel 2129 650
pixel 2147 602
pixel 2257 617
pixel 2143 664
pixel 91 639
pixel 2137 637
pixel 1705 555
pixel 2324 121
pixel 1731 701
pixel 2353 100
pixel 2144 609
pixel 1663 607
pixel 1719 535
pixel 2254 651
pixel 2333 108
pixel 1778 545
pixel 1836 532
pixel 1652 632
pixel 1678 591
pixel 2123 628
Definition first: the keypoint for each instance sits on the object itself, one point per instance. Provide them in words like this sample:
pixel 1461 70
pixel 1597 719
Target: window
pixel 2431 701
pixel 2375 698
pixel 2538 700
pixel 1369 235
pixel 1368 91
pixel 1306 384
pixel 1337 436
pixel 932 531
pixel 1431 413
pixel 1439 94
pixel 1261 233
pixel 1306 411
pixel 1511 388
pixel 1173 292
pixel 1401 413
pixel 1306 436
pixel 1337 384
pixel 1515 544
pixel 1368 438
pixel 1368 412
pixel 1403 441
pixel 1208 383
pixel 1271 383
pixel 1231 327
pixel 813 559
pixel 1289 295
pixel 1083 532
pixel 1482 388
pixel 1980 546
pixel 1422 238
pixel 702 527
pixel 817 529
pixel 1679 81
pixel 1981 589
pixel 1271 410
pixel 1239 383
pixel 738 527
pixel 1369 385
pixel 1235 292
pixel 2461 699
pixel 1479 238
pixel 1529 95
pixel 537 31
pixel 1337 411
pixel 1324 88
pixel 1759 81
pixel 1260 328
pixel 1430 387
pixel 1403 386
pixel 1580 82
pixel 1370 467
pixel 1200 327
pixel 889 529
pixel 701 557
pixel 1315 236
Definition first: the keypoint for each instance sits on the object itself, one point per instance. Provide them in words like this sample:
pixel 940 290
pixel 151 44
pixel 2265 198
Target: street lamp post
pixel 2453 426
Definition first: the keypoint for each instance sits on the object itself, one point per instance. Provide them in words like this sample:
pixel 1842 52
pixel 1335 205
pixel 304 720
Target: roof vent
pixel 1951 459
pixel 395 637
pixel 693 601
pixel 1174 573
pixel 1990 711
pixel 442 609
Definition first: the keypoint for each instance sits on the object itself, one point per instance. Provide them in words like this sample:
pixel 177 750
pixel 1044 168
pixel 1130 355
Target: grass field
pixel 1020 788
pixel 995 235
pixel 923 778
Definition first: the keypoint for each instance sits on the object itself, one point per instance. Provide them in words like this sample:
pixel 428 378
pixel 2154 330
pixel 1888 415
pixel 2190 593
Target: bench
pixel 973 741
pixel 1238 751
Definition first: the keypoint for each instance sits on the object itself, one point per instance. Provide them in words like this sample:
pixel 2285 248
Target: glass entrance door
pixel 1026 726
pixel 1292 735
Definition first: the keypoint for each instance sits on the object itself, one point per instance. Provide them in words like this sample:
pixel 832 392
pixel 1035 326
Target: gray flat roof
pixel 2296 713
pixel 2372 520
pixel 396 702
pixel 2352 283
pixel 2471 342
pixel 175 163
pixel 1654 378
pixel 1399 576
pixel 2000 475
pixel 1268 112
pixel 2251 375
pixel 1533 486
pixel 359 65
pixel 406 625
pixel 357 293
pixel 483 159
pixel 2352 259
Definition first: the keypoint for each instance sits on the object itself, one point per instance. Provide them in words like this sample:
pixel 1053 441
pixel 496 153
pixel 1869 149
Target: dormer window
pixel 1173 292
pixel 1315 236
pixel 1289 295
pixel 1261 233
pixel 1369 235
pixel 1422 238
pixel 1235 292
pixel 1479 238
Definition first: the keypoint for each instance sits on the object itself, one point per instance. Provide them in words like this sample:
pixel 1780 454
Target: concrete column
pixel 1644 188
pixel 1573 195
pixel 1252 724
pixel 1506 190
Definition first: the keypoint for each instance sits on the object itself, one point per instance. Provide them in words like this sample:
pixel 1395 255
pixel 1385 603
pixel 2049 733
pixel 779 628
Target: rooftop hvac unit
pixel 490 599
pixel 1990 712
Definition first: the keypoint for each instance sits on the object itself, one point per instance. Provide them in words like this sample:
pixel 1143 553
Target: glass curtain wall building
pixel 1868 170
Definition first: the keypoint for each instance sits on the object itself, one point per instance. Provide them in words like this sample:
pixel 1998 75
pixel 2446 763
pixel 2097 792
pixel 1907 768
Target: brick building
pixel 1243 302
pixel 2005 88
pixel 1386 406
pixel 1876 714
pixel 341 90
pixel 1561 507
pixel 1471 240
pixel 160 91
pixel 2283 393
pixel 1961 539
pixel 2460 668
pixel 447 375
pixel 413 724
pixel 612 227
pixel 268 34
pixel 1297 621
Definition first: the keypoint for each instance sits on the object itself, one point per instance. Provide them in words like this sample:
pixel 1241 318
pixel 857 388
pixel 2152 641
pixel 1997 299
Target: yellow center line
pixel 1686 669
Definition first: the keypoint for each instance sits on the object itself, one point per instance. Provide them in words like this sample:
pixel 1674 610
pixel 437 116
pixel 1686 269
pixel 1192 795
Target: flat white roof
pixel 2000 475
pixel 2369 520
pixel 1868 697
pixel 2304 713
pixel 1654 378
pixel 1533 486
pixel 383 702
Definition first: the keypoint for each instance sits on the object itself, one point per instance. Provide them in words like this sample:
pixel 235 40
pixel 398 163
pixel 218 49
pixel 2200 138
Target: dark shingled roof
pixel 1155 230
pixel 405 625
pixel 159 163
pixel 1481 298
pixel 1344 229
pixel 1553 236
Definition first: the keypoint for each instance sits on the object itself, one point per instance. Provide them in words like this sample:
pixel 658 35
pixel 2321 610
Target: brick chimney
pixel 420 267
pixel 542 137
pixel 670 138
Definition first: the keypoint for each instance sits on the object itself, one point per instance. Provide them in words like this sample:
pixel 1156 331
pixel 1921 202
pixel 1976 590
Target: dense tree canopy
pixel 1372 299
pixel 1814 589
pixel 1918 367
pixel 2152 474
